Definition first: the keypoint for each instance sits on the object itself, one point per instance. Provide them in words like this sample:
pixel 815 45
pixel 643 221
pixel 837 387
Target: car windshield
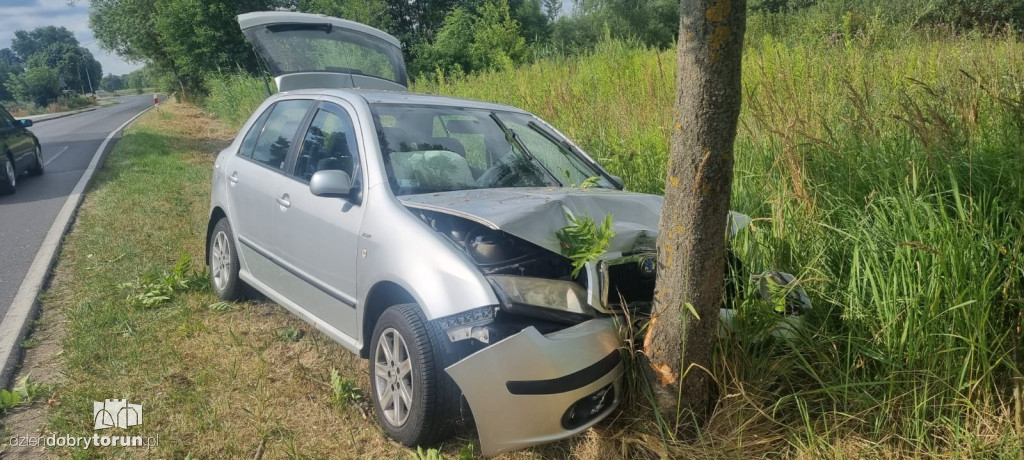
pixel 430 149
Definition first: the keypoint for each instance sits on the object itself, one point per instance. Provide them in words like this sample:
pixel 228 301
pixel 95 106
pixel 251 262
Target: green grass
pixel 887 175
pixel 234 97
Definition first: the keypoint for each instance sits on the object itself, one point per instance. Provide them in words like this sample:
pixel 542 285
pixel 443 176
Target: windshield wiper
pixel 513 139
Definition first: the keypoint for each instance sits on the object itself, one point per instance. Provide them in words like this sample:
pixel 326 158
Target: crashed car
pixel 420 231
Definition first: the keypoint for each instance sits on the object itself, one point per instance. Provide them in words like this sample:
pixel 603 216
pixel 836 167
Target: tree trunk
pixel 691 246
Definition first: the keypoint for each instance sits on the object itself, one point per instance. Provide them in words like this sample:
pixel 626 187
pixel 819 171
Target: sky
pixel 29 14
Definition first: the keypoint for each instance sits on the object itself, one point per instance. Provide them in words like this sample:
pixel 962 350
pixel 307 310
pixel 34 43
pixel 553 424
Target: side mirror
pixel 25 122
pixel 617 180
pixel 331 183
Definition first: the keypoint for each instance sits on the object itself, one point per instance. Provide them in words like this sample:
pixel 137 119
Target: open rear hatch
pixel 309 51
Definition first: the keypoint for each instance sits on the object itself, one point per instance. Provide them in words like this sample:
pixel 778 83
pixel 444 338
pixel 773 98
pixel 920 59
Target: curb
pixel 15 325
pixel 49 117
pixel 54 116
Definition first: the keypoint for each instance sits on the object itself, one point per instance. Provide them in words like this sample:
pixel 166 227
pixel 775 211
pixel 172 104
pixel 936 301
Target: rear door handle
pixel 234 177
pixel 283 201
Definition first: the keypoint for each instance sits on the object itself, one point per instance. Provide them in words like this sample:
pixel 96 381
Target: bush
pixel 74 101
pixel 488 39
pixel 976 14
pixel 38 85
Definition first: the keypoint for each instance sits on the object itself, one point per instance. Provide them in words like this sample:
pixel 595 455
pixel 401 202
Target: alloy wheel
pixel 394 377
pixel 220 260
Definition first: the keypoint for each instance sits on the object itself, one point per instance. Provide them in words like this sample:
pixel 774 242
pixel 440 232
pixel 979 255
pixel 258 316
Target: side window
pixel 6 120
pixel 272 147
pixel 330 143
pixel 249 142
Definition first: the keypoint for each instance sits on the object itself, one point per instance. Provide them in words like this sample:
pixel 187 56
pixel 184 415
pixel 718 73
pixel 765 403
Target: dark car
pixel 19 151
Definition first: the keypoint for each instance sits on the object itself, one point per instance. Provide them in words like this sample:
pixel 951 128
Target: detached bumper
pixel 530 388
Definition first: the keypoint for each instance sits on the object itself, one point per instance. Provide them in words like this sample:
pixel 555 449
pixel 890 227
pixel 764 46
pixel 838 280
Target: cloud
pixel 30 14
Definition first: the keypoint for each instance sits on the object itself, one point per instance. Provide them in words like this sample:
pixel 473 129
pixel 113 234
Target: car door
pixel 254 174
pixel 18 141
pixel 317 236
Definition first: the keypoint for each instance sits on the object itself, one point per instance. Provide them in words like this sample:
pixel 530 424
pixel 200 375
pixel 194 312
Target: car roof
pixel 374 96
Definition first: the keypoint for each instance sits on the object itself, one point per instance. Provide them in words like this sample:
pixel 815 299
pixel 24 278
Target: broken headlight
pixel 555 300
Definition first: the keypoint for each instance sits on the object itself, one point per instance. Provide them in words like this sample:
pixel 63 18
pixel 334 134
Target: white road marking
pixel 55 156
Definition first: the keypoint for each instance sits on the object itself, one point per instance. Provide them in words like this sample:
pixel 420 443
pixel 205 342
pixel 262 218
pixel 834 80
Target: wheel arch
pixel 215 216
pixel 381 296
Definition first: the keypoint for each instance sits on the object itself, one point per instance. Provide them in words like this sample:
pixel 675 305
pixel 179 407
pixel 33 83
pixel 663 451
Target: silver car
pixel 420 232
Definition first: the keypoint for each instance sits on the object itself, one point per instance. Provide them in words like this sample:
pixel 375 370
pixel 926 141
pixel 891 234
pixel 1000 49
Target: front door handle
pixel 234 177
pixel 283 201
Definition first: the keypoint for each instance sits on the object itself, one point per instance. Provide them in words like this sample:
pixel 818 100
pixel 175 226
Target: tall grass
pixel 234 97
pixel 884 168
pixel 888 175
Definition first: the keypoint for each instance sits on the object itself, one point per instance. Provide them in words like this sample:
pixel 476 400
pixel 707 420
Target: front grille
pixel 629 281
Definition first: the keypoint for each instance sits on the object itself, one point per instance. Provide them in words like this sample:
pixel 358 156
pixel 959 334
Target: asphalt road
pixel 69 144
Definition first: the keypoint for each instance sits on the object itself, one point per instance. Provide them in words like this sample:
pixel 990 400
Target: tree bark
pixel 691 246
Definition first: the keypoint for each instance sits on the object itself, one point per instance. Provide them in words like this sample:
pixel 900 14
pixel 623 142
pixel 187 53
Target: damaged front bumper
pixel 531 388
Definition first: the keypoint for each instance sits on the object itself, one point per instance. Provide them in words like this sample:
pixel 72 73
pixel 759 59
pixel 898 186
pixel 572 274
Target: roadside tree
pixel 691 247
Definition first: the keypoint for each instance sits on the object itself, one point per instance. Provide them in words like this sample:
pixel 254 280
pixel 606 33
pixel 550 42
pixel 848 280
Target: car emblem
pixel 648 266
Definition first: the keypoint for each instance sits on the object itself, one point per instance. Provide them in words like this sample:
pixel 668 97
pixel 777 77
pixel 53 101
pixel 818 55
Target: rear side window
pixel 253 135
pixel 330 143
pixel 276 139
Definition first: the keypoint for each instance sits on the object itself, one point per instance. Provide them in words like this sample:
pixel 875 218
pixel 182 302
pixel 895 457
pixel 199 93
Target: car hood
pixel 536 214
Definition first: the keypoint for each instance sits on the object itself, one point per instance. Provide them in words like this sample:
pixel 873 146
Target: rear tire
pixel 415 400
pixel 37 169
pixel 10 179
pixel 224 263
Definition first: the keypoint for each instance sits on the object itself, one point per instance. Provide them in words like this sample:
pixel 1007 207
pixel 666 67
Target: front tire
pixel 37 169
pixel 416 402
pixel 10 179
pixel 224 264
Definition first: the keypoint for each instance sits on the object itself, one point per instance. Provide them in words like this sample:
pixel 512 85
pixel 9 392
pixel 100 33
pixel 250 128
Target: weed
pixel 153 290
pixel 221 307
pixel 465 453
pixel 28 390
pixel 344 390
pixel 583 240
pixel 24 392
pixel 289 334
pixel 8 400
